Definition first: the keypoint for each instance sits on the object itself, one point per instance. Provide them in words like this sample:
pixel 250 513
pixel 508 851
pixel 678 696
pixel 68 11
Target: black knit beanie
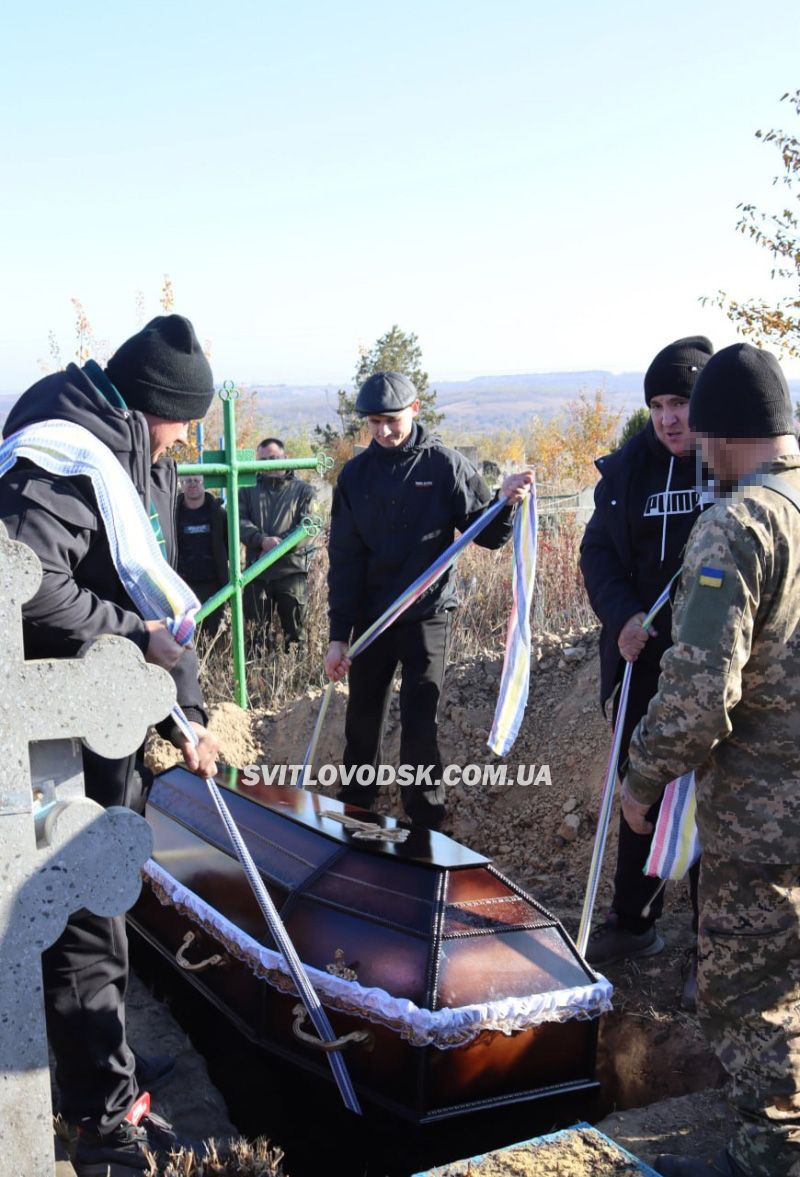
pixel 741 392
pixel 675 368
pixel 162 370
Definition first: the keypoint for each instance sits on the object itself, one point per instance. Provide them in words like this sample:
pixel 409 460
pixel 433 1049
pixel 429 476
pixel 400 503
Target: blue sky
pixel 527 186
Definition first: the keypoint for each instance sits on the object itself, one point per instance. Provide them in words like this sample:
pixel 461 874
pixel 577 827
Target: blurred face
pixel 670 417
pixel 391 432
pixel 729 458
pixel 194 489
pixel 270 453
pixel 164 434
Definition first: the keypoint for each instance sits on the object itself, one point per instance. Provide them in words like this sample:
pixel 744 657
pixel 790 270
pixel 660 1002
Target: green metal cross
pixel 233 469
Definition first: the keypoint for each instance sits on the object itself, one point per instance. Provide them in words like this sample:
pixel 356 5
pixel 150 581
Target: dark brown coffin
pixel 426 920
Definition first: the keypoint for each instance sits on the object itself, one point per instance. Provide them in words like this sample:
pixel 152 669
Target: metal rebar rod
pixel 609 786
pixel 278 931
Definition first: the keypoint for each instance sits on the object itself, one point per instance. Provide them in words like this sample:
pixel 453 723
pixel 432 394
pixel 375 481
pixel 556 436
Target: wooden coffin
pixel 470 993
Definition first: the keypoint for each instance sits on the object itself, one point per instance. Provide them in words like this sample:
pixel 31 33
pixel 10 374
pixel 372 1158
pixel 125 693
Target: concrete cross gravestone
pixel 59 851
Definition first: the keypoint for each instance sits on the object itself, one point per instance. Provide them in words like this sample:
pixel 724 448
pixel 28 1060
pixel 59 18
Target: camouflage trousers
pixel 749 1003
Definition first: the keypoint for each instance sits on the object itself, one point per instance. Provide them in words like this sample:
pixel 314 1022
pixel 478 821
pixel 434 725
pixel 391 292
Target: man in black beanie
pixel 728 707
pixel 646 503
pixel 138 407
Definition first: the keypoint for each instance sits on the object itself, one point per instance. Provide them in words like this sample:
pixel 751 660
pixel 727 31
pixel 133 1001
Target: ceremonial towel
pixel 515 679
pixel 67 449
pixel 675 846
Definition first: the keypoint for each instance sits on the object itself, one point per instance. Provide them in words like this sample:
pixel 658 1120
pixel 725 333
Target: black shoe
pixel 130 1148
pixel 609 944
pixel 153 1071
pixel 722 1165
pixel 689 991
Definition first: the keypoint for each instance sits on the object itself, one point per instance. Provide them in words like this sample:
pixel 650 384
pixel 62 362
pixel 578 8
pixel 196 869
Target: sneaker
pixel 609 944
pixel 130 1148
pixel 153 1071
pixel 722 1165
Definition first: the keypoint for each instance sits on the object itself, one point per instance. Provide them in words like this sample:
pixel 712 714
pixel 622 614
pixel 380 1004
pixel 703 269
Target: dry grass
pixel 236 1158
pixel 276 677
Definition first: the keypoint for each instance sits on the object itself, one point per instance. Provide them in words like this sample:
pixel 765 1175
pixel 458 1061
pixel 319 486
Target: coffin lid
pixel 424 847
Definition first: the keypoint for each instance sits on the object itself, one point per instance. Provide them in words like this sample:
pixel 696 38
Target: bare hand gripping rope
pixel 276 926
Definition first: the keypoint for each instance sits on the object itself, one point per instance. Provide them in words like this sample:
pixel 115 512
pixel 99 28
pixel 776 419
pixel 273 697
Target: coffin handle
pixel 209 962
pixel 356 1037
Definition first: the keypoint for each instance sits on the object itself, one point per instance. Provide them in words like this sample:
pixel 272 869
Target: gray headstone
pixel 59 851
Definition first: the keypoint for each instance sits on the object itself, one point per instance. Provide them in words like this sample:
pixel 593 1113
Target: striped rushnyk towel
pixel 675 846
pixel 515 679
pixel 63 448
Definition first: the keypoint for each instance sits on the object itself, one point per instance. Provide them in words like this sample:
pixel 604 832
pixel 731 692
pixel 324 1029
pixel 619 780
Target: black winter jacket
pixel 624 565
pixel 218 539
pixel 393 513
pixel 274 506
pixel 81 596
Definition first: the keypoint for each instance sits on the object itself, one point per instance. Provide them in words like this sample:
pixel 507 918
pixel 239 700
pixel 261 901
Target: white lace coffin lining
pixel 442 1028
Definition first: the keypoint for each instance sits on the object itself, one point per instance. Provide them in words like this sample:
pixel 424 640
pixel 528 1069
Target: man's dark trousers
pixel 285 595
pixel 85 975
pixel 420 647
pixel 633 889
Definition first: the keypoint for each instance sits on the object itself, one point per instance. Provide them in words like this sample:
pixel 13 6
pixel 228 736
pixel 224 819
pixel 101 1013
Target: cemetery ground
pixel 661 1086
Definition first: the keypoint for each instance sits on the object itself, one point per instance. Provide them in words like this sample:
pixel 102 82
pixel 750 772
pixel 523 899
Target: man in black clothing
pixel 396 508
pixel 646 503
pixel 268 512
pixel 138 406
pixel 202 544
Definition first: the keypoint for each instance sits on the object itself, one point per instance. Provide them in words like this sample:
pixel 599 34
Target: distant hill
pixel 486 402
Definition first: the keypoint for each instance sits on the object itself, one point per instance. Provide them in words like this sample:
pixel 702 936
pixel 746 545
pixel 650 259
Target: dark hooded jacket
pixel 646 503
pixel 81 596
pixel 275 506
pixel 394 512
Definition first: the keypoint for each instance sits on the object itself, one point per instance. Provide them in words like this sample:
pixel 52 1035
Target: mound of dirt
pixel 697 1125
pixel 578 1152
pixel 232 726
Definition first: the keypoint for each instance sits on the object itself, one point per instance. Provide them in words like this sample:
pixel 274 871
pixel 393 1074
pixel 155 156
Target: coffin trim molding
pixel 444 1028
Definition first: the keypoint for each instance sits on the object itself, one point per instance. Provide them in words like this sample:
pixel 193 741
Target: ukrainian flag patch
pixel 711 577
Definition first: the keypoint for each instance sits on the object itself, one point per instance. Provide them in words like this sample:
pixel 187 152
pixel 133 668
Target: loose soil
pixel 581 1152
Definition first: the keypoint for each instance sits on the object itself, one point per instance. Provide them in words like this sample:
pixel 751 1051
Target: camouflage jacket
pixel 728 701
